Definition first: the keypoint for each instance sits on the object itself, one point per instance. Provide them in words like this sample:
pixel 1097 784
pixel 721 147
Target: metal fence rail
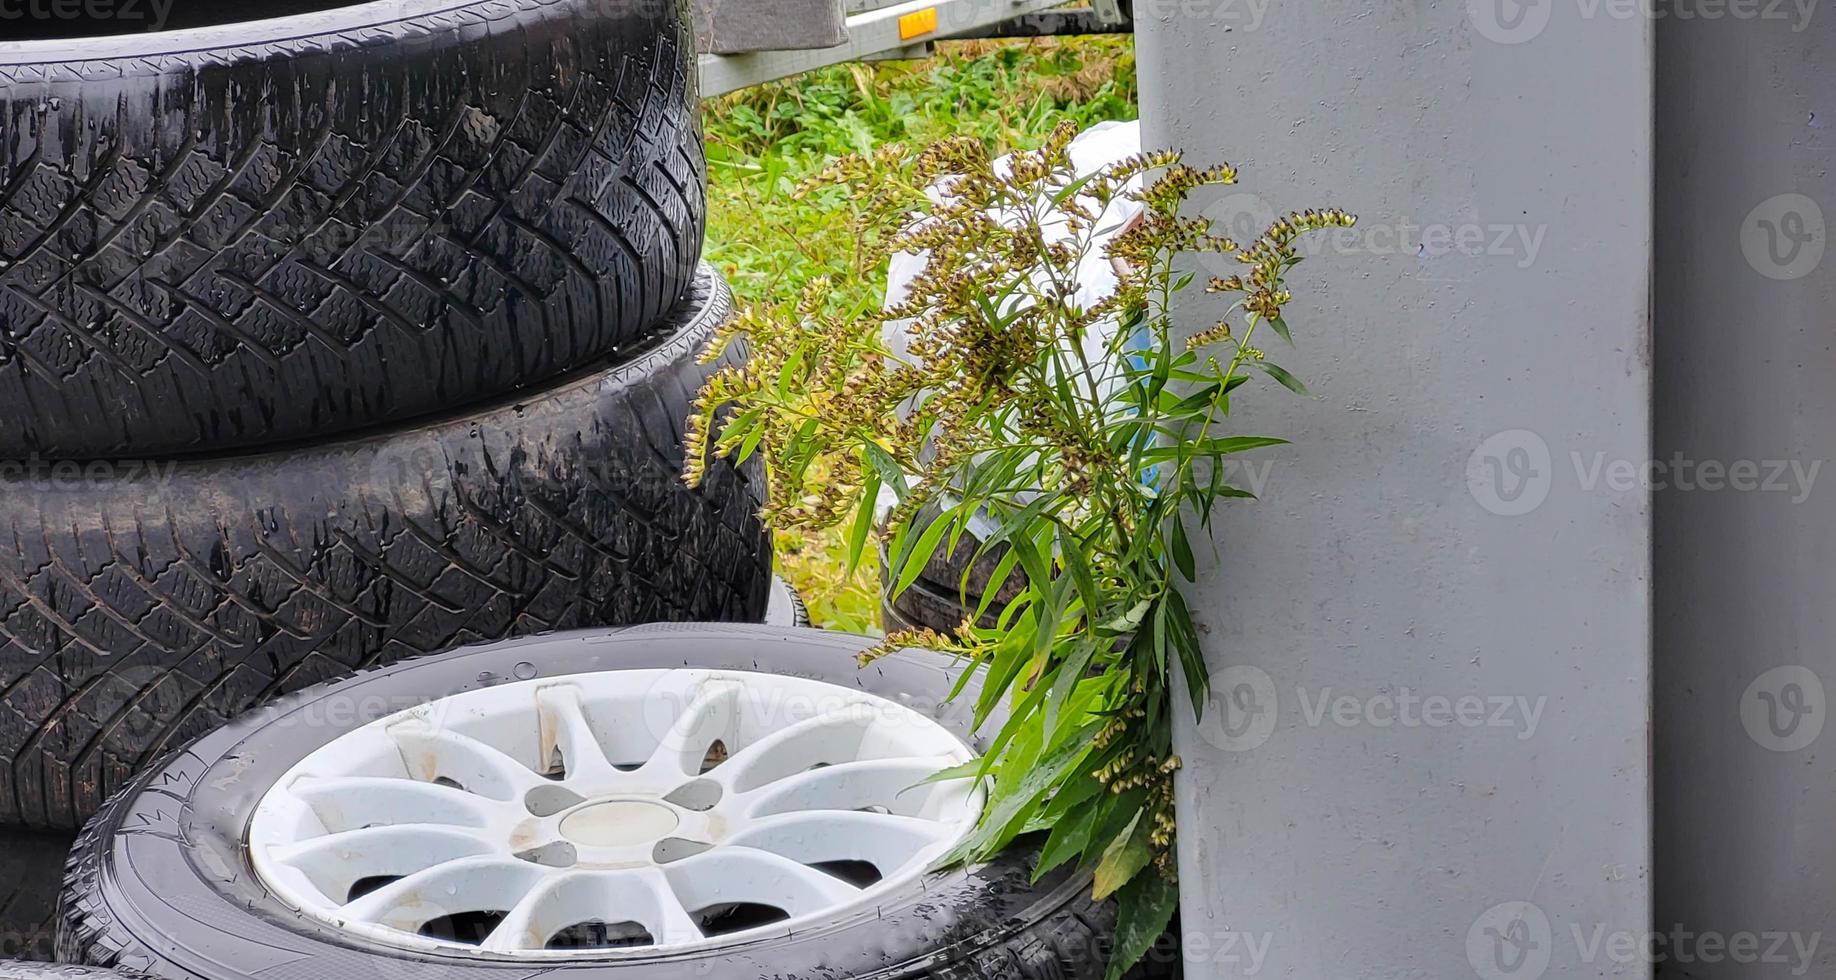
pixel 880 29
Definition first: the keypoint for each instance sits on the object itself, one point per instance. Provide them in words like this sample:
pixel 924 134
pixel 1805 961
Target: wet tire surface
pixel 293 228
pixel 141 609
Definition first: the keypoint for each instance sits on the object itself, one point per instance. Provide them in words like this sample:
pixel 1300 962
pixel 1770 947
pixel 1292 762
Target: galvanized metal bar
pixel 871 32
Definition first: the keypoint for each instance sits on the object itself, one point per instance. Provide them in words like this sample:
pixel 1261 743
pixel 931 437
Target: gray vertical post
pixel 1746 572
pixel 1427 756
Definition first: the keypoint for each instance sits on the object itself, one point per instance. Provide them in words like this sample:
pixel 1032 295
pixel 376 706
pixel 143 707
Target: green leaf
pixel 1282 328
pixel 1123 859
pixel 751 444
pixel 1069 673
pixel 863 520
pixel 1069 838
pixel 1237 444
pixel 968 770
pixel 912 563
pixel 1071 551
pixel 996 579
pixel 1181 549
pixel 1008 805
pixel 1185 641
pixel 787 376
pixel 1280 374
pixel 1131 619
pixel 1075 797
pixel 1144 909
pixel 888 468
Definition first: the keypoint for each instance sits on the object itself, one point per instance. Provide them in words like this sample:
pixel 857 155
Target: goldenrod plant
pixel 1084 442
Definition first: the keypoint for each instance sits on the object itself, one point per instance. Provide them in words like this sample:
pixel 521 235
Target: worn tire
pixel 160 882
pixel 31 870
pixel 264 231
pixel 139 610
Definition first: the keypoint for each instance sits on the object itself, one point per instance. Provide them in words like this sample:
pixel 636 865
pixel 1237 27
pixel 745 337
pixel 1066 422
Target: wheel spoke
pixel 712 716
pixel 335 863
pixel 355 802
pixel 896 784
pixel 443 754
pixel 480 884
pixel 731 875
pixel 826 737
pixel 524 928
pixel 635 895
pixel 886 841
pixel 566 728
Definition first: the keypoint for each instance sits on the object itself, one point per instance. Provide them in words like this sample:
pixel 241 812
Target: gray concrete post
pixel 1427 756
pixel 1746 598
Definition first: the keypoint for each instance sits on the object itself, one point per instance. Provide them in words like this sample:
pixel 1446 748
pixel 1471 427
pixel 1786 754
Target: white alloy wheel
pixel 648 810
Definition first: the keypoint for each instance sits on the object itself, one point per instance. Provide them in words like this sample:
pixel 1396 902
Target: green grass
pixel 763 141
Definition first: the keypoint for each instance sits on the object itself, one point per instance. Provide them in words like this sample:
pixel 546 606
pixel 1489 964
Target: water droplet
pixel 525 670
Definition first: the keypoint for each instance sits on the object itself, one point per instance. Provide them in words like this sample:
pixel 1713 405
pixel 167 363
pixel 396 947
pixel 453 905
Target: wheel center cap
pixel 618 823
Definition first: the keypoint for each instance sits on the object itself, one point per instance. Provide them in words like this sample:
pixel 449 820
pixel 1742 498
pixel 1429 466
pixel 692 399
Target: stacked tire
pixel 330 340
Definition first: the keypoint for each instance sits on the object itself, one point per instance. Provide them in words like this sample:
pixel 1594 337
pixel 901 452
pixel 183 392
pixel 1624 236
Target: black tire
pixel 142 609
pixel 31 871
pixel 160 884
pixel 926 605
pixel 949 587
pixel 288 228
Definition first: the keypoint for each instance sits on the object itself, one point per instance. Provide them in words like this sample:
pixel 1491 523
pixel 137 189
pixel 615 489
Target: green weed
pixel 764 141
